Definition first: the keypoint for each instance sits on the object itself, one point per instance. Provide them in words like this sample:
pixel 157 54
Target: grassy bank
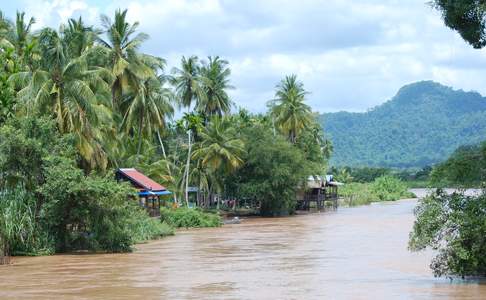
pixel 189 218
pixel 385 188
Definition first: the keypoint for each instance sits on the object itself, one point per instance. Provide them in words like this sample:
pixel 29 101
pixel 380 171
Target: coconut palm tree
pixel 5 31
pixel 21 35
pixel 78 36
pixel 187 82
pixel 192 124
pixel 291 115
pixel 215 75
pixel 69 89
pixel 127 65
pixel 219 150
pixel 18 37
pixel 148 109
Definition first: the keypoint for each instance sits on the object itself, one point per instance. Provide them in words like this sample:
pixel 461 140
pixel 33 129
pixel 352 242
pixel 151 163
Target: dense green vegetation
pixel 412 177
pixel 273 171
pixel 49 205
pixel 454 226
pixel 78 102
pixel 466 167
pixel 466 17
pixel 384 188
pixel 189 218
pixel 422 125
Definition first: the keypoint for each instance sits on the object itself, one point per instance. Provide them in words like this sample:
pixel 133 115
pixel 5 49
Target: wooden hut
pixel 318 190
pixel 149 191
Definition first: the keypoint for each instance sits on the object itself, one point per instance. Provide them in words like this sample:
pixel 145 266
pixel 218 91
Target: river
pixel 351 253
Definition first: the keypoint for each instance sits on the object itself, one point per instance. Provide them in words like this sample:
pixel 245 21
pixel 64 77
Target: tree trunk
pixel 187 167
pixel 165 157
pixel 139 147
pixel 273 125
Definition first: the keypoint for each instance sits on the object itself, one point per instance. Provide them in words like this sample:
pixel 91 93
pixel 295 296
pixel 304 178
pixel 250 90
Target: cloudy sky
pixel 351 54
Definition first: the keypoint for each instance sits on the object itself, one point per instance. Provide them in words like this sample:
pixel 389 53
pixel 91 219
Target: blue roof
pixel 154 193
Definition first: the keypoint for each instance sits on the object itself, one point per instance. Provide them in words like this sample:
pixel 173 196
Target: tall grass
pixel 143 228
pixel 189 217
pixel 389 188
pixel 20 231
pixel 384 188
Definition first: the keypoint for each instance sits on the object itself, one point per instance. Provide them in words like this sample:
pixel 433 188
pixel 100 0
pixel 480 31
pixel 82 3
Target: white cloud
pixel 52 13
pixel 351 55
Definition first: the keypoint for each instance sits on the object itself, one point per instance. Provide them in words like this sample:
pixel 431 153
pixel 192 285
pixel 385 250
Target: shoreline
pixel 422 193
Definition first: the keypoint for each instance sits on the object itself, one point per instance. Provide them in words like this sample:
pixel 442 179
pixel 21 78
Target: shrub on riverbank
pixel 48 204
pixel 272 173
pixel 384 188
pixel 388 188
pixel 357 194
pixel 20 231
pixel 464 168
pixel 189 217
pixel 143 229
pixel 454 226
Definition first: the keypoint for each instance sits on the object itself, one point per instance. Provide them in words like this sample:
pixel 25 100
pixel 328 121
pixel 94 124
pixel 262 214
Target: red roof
pixel 141 180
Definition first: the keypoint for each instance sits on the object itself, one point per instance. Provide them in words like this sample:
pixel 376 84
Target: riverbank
pixel 351 253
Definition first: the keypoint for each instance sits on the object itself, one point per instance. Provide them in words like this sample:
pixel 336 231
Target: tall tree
pixel 468 17
pixel 127 65
pixel 220 150
pixel 192 124
pixel 78 36
pixel 290 113
pixel 21 39
pixel 215 75
pixel 66 87
pixel 21 34
pixel 188 83
pixel 5 29
pixel 148 109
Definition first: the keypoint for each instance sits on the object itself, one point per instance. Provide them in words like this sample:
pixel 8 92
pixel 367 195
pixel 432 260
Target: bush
pixel 143 228
pixel 357 194
pixel 58 207
pixel 388 188
pixel 465 167
pixel 272 173
pixel 454 226
pixel 384 188
pixel 189 217
pixel 94 213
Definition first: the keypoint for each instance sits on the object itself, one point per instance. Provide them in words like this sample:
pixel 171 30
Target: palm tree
pixel 127 65
pixel 5 31
pixel 68 88
pixel 192 124
pixel 219 150
pixel 187 82
pixel 148 108
pixel 289 112
pixel 78 36
pixel 202 178
pixel 215 75
pixel 24 43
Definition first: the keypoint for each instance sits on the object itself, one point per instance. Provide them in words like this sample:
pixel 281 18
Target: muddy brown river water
pixel 351 253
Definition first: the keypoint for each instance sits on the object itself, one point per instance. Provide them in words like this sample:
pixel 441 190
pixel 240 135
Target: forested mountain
pixel 421 125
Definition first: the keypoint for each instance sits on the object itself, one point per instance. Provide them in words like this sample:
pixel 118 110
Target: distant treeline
pixel 466 167
pixel 369 174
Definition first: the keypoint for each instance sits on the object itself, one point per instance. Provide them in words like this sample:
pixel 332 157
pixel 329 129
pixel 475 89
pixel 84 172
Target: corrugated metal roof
pixel 141 180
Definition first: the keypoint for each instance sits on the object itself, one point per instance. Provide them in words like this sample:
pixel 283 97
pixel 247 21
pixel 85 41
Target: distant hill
pixel 422 125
